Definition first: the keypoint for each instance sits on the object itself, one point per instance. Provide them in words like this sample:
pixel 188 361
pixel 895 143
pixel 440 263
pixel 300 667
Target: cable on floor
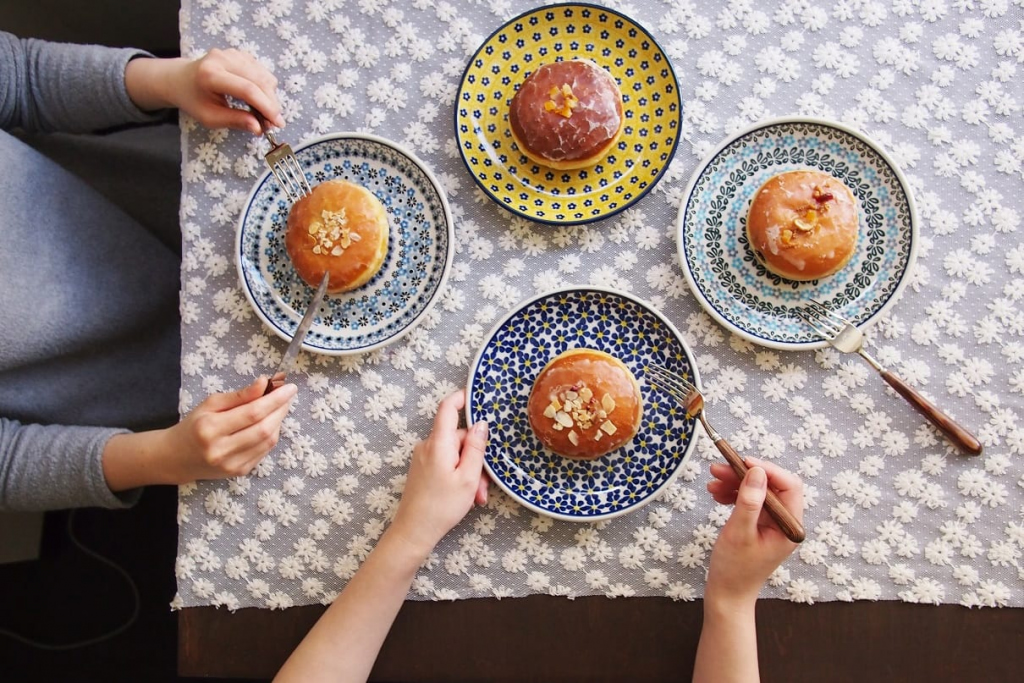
pixel 96 639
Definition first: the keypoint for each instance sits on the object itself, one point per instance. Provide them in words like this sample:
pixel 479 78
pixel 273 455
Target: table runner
pixel 892 513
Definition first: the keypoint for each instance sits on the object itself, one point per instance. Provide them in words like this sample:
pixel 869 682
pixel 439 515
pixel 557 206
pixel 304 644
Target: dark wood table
pixel 540 638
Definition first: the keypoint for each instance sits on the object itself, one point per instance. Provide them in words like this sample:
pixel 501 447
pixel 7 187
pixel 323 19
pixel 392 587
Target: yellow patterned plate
pixel 650 99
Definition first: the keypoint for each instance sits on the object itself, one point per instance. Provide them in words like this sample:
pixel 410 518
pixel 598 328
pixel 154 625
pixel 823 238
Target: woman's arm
pixel 224 436
pixel 444 480
pixel 198 87
pixel 47 87
pixel 747 551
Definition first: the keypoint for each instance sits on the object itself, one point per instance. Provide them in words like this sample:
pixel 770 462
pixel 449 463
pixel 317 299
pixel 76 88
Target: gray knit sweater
pixel 79 283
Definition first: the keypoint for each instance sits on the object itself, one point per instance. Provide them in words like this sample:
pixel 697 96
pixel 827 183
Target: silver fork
pixel 689 396
pixel 282 162
pixel 844 336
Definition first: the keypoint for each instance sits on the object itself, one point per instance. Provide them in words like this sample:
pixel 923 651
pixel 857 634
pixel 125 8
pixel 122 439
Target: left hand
pixel 200 87
pixel 445 478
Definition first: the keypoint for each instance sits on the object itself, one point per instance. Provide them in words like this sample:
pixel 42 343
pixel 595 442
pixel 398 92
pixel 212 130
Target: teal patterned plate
pixel 503 373
pixel 729 281
pixel 420 251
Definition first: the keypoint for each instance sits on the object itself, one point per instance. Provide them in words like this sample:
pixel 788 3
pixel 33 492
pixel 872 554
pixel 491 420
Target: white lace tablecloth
pixel 892 512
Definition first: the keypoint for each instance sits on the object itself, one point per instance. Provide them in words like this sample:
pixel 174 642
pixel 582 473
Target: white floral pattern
pixel 892 512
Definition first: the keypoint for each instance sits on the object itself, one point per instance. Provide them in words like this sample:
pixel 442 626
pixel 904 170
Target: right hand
pixel 445 478
pixel 199 88
pixel 750 546
pixel 227 434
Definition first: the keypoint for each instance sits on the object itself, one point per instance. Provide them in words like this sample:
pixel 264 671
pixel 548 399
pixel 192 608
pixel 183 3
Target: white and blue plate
pixel 503 373
pixel 420 248
pixel 731 283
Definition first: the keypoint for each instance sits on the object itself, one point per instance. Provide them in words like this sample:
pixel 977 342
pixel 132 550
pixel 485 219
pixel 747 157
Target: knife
pixel 277 379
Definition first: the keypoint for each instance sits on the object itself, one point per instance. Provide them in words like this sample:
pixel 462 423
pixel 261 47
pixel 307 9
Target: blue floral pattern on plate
pixel 414 272
pixel 731 283
pixel 515 352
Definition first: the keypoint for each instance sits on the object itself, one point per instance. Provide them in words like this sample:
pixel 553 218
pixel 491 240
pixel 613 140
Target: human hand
pixel 445 478
pixel 199 88
pixel 750 545
pixel 227 434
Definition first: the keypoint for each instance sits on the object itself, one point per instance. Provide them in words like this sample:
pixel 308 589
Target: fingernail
pixel 480 429
pixel 756 478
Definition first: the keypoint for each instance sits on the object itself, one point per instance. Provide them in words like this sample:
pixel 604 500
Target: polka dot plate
pixel 650 98
pixel 731 283
pixel 420 248
pixel 503 373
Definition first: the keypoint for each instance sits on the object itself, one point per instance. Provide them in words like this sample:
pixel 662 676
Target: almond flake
pixel 571 396
pixel 574 439
pixel 586 394
pixel 557 427
pixel 563 419
pixel 598 434
pixel 608 403
pixel 608 427
pixel 550 411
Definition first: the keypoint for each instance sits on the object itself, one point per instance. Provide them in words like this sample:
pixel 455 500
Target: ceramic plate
pixel 419 255
pixel 650 98
pixel 515 352
pixel 730 282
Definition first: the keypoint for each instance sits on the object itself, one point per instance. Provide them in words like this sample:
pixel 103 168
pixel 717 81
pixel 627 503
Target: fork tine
pixel 829 312
pixel 671 383
pixel 813 314
pixel 821 329
pixel 295 170
pixel 282 180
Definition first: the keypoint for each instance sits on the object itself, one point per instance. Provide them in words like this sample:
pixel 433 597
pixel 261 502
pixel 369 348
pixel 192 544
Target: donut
pixel 802 225
pixel 339 228
pixel 585 404
pixel 567 114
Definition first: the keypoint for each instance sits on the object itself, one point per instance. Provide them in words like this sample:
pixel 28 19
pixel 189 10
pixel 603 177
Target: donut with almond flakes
pixel 585 404
pixel 340 228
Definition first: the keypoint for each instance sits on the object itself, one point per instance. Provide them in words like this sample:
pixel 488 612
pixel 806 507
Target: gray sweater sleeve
pixel 55 467
pixel 47 87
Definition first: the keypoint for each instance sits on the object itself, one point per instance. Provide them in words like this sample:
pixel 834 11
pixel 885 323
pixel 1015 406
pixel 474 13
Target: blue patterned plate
pixel 414 272
pixel 650 100
pixel 515 352
pixel 729 281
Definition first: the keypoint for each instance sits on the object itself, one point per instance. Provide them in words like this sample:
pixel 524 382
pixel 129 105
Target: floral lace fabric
pixel 892 512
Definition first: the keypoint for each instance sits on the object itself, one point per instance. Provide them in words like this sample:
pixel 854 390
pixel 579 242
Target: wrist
pixel 137 459
pixel 403 551
pixel 414 544
pixel 147 80
pixel 728 604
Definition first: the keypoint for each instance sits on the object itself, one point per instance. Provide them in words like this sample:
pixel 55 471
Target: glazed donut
pixel 340 228
pixel 585 404
pixel 567 115
pixel 802 225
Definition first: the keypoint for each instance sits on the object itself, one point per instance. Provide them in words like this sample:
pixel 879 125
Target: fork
pixel 687 394
pixel 282 162
pixel 844 336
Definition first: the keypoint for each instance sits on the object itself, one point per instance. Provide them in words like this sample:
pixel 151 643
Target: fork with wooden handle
pixel 844 336
pixel 687 394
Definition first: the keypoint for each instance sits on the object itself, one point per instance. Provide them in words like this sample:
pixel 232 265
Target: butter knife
pixel 278 378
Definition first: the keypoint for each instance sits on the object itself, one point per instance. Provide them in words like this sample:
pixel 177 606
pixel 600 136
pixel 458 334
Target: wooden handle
pixel 789 524
pixel 960 437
